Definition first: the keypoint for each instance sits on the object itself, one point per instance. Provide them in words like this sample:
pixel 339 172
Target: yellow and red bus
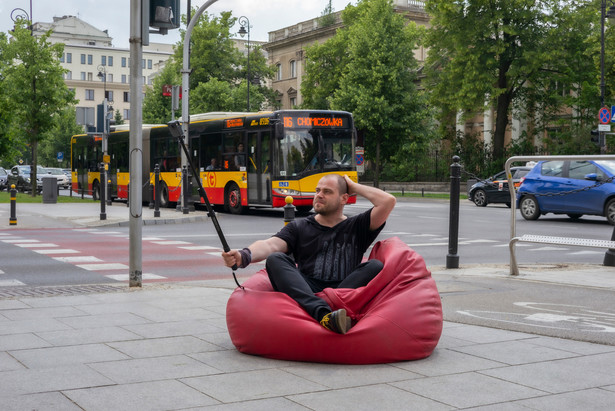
pixel 244 159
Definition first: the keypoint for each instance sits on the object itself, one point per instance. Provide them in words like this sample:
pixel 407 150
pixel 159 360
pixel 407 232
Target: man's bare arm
pixel 382 201
pixel 260 250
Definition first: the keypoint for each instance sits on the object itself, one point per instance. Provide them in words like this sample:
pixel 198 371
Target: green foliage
pixel 33 88
pixel 218 81
pixel 485 49
pixel 327 18
pixel 369 69
pixel 57 139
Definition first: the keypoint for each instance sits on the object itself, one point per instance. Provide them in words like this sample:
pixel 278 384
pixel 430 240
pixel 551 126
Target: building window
pixel 83 75
pixel 110 61
pixel 293 102
pixel 89 94
pixel 90 77
pixel 123 61
pixel 278 75
pixel 126 113
pixel 69 75
pixel 109 78
pixel 69 57
pixel 90 59
pixel 103 60
pixel 293 66
pixel 126 97
pixel 143 63
pixel 83 59
pixel 149 64
pixel 110 95
pixel 124 78
pixel 62 58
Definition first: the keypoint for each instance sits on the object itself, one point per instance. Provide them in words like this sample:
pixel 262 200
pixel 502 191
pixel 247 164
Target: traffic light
pixel 164 15
pixel 100 118
pixel 595 137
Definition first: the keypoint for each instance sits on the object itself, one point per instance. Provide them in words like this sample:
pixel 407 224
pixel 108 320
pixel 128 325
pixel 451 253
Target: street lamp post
pixel 245 23
pixel 102 74
pixel 609 256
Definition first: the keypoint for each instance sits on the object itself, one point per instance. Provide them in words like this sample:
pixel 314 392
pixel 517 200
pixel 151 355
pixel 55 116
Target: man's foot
pixel 337 321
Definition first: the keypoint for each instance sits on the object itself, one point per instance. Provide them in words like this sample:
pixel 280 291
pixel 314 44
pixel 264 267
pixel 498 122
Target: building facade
pixel 286 48
pixel 96 69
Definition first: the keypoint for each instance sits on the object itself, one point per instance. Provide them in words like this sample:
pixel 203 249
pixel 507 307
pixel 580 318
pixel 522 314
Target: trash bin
pixel 50 190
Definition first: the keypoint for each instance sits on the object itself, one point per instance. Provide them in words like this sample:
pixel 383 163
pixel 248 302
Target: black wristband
pixel 246 257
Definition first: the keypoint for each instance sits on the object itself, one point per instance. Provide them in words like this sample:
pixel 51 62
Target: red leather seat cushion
pixel 399 316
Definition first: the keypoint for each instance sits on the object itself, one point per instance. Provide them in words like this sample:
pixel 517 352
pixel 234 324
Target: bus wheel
pixel 233 199
pixel 95 191
pixel 164 195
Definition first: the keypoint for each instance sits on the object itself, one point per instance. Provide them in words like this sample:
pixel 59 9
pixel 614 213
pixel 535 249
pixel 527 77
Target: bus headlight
pixel 287 192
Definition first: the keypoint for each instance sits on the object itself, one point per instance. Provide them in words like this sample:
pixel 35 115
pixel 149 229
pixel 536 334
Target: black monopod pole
pixel 210 211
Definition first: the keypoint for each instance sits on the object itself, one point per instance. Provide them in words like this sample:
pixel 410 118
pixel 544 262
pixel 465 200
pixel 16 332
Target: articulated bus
pixel 244 159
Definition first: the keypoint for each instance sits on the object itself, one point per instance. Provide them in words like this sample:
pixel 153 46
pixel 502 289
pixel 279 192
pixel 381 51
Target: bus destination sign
pixel 233 122
pixel 314 122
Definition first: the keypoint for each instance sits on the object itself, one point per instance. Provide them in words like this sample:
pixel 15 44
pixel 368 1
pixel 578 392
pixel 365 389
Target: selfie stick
pixel 176 131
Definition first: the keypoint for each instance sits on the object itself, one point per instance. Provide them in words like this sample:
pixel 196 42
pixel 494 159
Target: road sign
pixel 360 160
pixel 604 127
pixel 60 156
pixel 604 115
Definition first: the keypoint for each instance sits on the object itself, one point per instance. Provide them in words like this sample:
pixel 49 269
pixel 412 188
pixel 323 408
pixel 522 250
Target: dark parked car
pixel 20 176
pixel 3 179
pixel 495 188
pixel 574 188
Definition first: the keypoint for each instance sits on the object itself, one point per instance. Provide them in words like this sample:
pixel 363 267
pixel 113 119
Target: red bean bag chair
pixel 398 316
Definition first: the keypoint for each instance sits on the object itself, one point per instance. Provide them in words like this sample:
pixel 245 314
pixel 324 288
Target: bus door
pixel 259 167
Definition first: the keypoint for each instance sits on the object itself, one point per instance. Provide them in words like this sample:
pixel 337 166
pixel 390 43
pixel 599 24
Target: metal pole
pixel 156 190
pixel 601 137
pixel 452 259
pixel 136 146
pixel 289 210
pixel 185 189
pixel 245 23
pixel 103 202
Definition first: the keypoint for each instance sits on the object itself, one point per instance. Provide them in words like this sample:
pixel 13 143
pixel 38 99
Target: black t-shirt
pixel 329 253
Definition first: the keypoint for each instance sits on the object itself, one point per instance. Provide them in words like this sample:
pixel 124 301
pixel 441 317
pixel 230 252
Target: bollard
pixel 422 192
pixel 13 216
pixel 151 196
pixel 156 190
pixel 289 210
pixel 452 259
pixel 185 210
pixel 103 201
pixel 402 191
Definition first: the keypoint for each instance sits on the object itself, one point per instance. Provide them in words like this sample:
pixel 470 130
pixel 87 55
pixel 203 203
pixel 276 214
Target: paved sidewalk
pixel 166 347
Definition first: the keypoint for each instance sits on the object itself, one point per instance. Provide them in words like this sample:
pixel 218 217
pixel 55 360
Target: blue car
pixel 569 187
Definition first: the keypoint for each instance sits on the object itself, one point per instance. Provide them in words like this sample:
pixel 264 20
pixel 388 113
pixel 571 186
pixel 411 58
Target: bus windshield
pixel 309 151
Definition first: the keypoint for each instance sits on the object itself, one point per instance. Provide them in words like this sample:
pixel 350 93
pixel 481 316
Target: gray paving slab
pixel 368 398
pixel 159 347
pixel 594 399
pixel 29 381
pixel 152 369
pixel 63 356
pixel 560 376
pixel 50 401
pixel 87 336
pixel 149 396
pixel 468 389
pixel 252 385
pixel 8 363
pixel 21 341
pixel 516 352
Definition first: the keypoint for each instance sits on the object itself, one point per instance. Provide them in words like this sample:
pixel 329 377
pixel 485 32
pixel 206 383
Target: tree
pixel 486 50
pixel 218 81
pixel 57 137
pixel 369 69
pixel 34 87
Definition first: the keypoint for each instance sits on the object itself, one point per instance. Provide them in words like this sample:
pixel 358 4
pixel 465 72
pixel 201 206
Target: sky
pixel 114 15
